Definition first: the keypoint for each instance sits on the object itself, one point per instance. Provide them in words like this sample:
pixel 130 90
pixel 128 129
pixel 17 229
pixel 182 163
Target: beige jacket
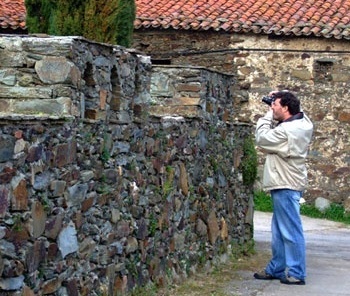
pixel 286 146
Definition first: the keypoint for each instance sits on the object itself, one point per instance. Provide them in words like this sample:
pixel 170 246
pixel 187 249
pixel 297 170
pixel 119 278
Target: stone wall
pixel 316 69
pixel 103 187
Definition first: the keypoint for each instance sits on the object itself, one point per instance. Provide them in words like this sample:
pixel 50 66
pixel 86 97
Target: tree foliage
pixel 125 22
pixel 100 20
pixel 108 21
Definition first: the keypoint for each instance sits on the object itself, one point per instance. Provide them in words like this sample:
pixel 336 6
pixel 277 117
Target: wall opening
pixel 116 90
pixel 161 61
pixel 323 70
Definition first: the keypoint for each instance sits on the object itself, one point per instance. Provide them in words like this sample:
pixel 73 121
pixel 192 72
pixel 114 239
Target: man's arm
pixel 268 138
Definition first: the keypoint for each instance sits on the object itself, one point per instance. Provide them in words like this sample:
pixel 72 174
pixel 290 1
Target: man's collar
pixel 299 115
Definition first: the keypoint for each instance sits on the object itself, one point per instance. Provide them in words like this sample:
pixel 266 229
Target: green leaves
pixel 107 21
pixel 249 163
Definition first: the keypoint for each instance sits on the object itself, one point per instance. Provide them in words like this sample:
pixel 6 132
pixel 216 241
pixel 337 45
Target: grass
pixel 335 212
pixel 216 281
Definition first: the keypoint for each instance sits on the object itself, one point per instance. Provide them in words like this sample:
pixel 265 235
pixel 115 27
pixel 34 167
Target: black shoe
pixel 263 275
pixel 290 280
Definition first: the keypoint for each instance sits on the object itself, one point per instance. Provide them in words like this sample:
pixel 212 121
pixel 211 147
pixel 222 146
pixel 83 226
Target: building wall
pixel 104 188
pixel 316 69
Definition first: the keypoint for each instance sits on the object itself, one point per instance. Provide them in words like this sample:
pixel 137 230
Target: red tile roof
pixel 321 18
pixel 12 14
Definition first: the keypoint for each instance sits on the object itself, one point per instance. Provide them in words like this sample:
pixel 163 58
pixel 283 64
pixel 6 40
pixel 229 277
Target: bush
pixel 262 201
pixel 249 163
pixel 336 212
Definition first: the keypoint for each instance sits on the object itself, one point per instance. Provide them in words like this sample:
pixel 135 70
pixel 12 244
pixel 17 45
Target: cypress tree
pixel 108 21
pixel 66 18
pixel 100 20
pixel 39 14
pixel 125 22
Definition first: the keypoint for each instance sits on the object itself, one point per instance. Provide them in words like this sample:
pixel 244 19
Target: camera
pixel 268 100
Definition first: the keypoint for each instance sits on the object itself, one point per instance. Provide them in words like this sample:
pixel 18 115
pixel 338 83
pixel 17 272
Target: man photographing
pixel 284 134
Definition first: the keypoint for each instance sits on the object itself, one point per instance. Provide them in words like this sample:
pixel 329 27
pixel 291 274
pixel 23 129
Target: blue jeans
pixel 288 243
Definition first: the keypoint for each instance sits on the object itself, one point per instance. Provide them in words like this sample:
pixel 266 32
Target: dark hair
pixel 290 100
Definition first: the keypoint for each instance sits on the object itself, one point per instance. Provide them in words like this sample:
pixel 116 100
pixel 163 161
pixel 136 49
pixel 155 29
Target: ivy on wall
pixel 249 164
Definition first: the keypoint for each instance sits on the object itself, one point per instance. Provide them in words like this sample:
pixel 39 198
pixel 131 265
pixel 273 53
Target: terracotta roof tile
pixel 321 18
pixel 12 14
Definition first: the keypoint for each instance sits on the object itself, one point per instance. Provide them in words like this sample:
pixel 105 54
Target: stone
pixel 213 227
pixel 77 194
pixel 142 231
pixel 347 205
pixel 86 176
pixel 201 228
pixel 42 181
pixel 39 219
pixel 58 107
pixel 67 240
pixel 132 245
pixel 322 204
pixel 223 229
pixel 72 287
pixel 8 77
pixel 65 153
pixel 179 241
pixel 13 268
pixel 28 291
pixel 88 202
pixel 2 233
pixel 115 215
pixel 35 153
pixel 58 187
pixel 302 74
pixel 87 247
pixel 344 116
pixel 7 174
pixel 51 286
pixel 111 176
pixel 123 229
pixel 183 180
pixel 12 284
pixel 52 251
pixel 19 200
pixel 53 226
pixel 190 87
pixel 7 249
pixel 35 255
pixel 55 70
pixel 20 146
pixel 7 146
pixel 11 59
pixel 4 200
pixel 26 93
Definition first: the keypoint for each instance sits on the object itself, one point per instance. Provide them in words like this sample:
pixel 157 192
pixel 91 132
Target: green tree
pixel 39 15
pixel 125 22
pixel 249 164
pixel 100 20
pixel 67 17
pixel 108 21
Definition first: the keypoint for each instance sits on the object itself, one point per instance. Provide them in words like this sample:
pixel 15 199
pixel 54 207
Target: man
pixel 284 133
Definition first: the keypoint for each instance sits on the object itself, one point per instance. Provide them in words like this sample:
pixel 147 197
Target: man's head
pixel 284 105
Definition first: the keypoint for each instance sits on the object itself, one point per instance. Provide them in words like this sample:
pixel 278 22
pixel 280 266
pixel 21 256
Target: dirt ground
pixel 234 278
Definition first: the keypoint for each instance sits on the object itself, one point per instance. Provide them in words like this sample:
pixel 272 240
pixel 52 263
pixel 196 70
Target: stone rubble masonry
pixel 316 69
pixel 114 173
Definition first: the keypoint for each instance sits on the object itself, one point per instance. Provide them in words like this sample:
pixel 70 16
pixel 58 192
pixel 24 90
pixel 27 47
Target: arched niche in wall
pixel 90 104
pixel 116 90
